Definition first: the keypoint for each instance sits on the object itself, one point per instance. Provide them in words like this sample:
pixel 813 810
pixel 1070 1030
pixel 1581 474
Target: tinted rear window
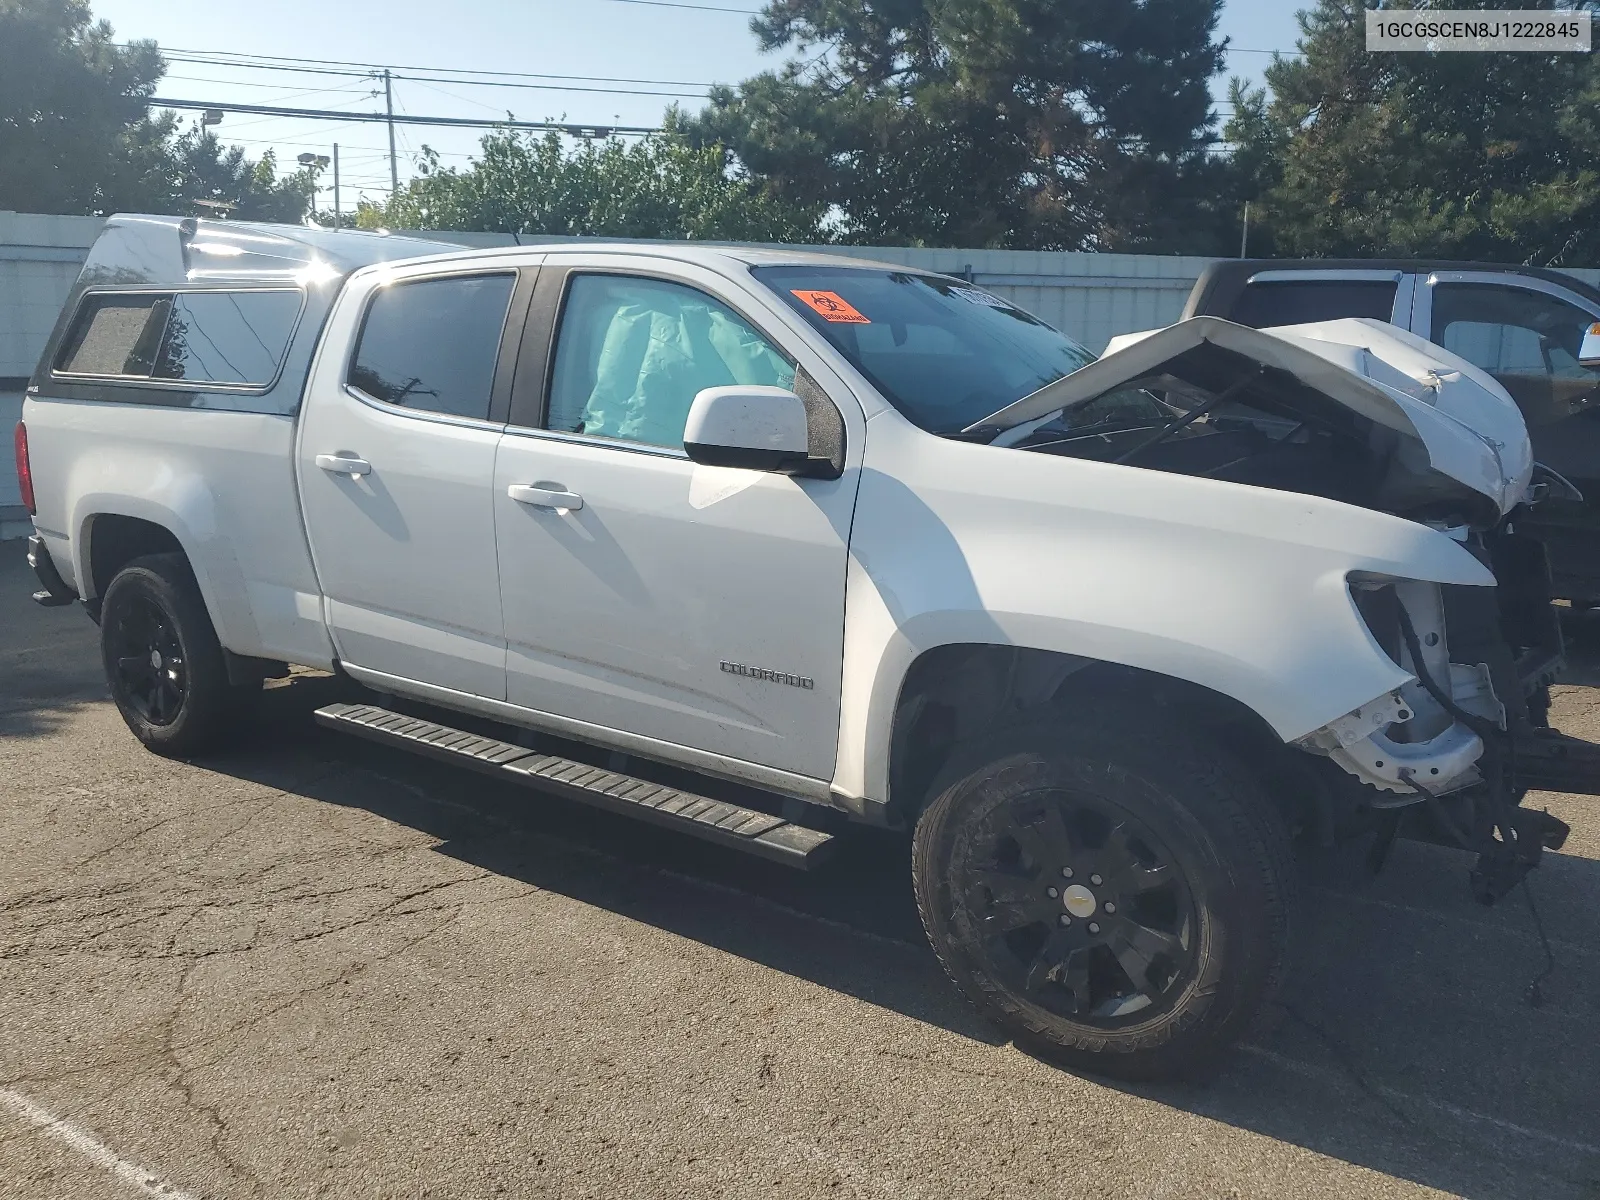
pixel 211 337
pixel 1262 305
pixel 432 343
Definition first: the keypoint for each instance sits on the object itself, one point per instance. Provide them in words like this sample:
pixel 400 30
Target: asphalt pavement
pixel 311 967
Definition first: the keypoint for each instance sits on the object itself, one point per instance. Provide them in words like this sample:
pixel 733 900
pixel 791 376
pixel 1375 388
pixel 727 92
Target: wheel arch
pixel 114 531
pixel 957 691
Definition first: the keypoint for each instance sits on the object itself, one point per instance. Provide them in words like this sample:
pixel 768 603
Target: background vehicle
pixel 748 542
pixel 1523 325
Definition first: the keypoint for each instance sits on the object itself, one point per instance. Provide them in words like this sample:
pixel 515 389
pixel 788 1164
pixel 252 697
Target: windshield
pixel 942 352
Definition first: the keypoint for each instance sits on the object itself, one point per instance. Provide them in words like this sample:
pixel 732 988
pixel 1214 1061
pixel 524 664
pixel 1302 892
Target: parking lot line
pixel 91 1147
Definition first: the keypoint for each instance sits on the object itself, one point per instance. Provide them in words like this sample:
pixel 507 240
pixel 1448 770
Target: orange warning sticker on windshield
pixel 831 306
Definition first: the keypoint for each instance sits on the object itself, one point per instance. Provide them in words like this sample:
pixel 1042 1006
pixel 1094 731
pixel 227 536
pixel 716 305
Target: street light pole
pixel 336 204
pixel 315 164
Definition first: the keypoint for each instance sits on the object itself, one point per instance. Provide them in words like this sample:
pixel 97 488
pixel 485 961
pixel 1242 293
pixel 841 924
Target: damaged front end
pixel 1446 757
pixel 1363 413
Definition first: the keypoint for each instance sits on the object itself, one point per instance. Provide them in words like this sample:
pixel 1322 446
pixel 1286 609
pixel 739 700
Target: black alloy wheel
pixel 1110 888
pixel 1078 908
pixel 150 669
pixel 164 665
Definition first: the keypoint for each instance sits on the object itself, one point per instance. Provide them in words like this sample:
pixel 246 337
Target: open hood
pixel 1451 421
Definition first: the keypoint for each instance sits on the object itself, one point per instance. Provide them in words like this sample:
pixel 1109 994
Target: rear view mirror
pixel 757 428
pixel 1589 351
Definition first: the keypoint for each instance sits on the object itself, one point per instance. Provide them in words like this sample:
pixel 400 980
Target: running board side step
pixel 745 829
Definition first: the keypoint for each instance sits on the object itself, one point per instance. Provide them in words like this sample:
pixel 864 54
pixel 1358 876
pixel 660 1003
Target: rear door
pixel 396 459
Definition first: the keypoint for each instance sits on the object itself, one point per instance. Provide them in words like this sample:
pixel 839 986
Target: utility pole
pixel 388 104
pixel 336 202
pixel 1244 238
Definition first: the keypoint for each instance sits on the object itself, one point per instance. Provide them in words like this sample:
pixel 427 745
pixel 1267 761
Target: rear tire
pixel 1114 895
pixel 163 663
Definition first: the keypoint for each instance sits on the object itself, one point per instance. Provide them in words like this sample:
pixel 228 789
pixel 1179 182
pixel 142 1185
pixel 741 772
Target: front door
pixel 397 451
pixel 691 606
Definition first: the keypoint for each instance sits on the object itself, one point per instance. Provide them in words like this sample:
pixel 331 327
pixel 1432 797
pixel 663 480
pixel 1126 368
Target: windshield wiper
pixel 1193 415
pixel 980 433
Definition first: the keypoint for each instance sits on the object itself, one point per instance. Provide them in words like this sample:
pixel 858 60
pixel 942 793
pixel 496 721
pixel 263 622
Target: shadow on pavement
pixel 49 666
pixel 1404 1043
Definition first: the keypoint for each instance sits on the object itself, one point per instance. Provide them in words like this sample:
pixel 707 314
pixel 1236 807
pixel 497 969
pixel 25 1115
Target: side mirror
pixel 1589 351
pixel 757 428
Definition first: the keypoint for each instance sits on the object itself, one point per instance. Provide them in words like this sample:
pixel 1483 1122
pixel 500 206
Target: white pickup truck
pixel 844 540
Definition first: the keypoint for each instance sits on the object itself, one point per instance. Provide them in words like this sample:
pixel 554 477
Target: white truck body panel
pixel 667 614
pixel 222 483
pixel 1239 589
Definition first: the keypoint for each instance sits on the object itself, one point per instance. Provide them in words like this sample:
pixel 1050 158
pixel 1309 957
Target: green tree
pixel 659 187
pixel 1489 156
pixel 76 135
pixel 1025 123
pixel 189 172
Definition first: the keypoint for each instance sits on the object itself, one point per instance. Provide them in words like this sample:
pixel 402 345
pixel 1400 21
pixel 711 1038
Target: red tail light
pixel 24 471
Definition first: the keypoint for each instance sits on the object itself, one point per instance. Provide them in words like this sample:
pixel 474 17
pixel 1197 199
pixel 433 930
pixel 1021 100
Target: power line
pixel 277 87
pixel 325 114
pixel 231 58
pixel 748 12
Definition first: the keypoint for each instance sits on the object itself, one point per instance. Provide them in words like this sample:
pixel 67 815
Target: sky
pixel 662 52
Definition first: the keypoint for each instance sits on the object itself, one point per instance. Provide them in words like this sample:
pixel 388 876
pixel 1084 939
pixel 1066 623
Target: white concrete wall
pixel 39 259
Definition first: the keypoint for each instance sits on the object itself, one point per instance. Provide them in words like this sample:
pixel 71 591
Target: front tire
pixel 1115 896
pixel 163 663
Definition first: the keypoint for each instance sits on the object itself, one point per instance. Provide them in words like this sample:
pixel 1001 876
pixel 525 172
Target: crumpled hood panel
pixel 1469 427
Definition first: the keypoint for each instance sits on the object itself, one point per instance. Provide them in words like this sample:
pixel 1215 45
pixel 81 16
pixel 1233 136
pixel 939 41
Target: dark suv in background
pixel 1524 325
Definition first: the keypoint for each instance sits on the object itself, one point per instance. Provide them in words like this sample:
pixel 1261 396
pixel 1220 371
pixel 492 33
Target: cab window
pixel 632 353
pixel 432 344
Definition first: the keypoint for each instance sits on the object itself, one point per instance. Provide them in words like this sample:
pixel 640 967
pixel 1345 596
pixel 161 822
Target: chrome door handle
pixel 541 496
pixel 344 464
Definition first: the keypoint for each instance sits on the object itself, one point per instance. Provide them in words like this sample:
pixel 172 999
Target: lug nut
pixel 1094 926
pixel 1051 892
pixel 1066 920
pixel 1096 880
pixel 1111 908
pixel 1066 872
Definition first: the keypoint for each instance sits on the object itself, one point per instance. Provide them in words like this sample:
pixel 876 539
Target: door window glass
pixel 1301 301
pixel 633 353
pixel 1527 340
pixel 432 344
